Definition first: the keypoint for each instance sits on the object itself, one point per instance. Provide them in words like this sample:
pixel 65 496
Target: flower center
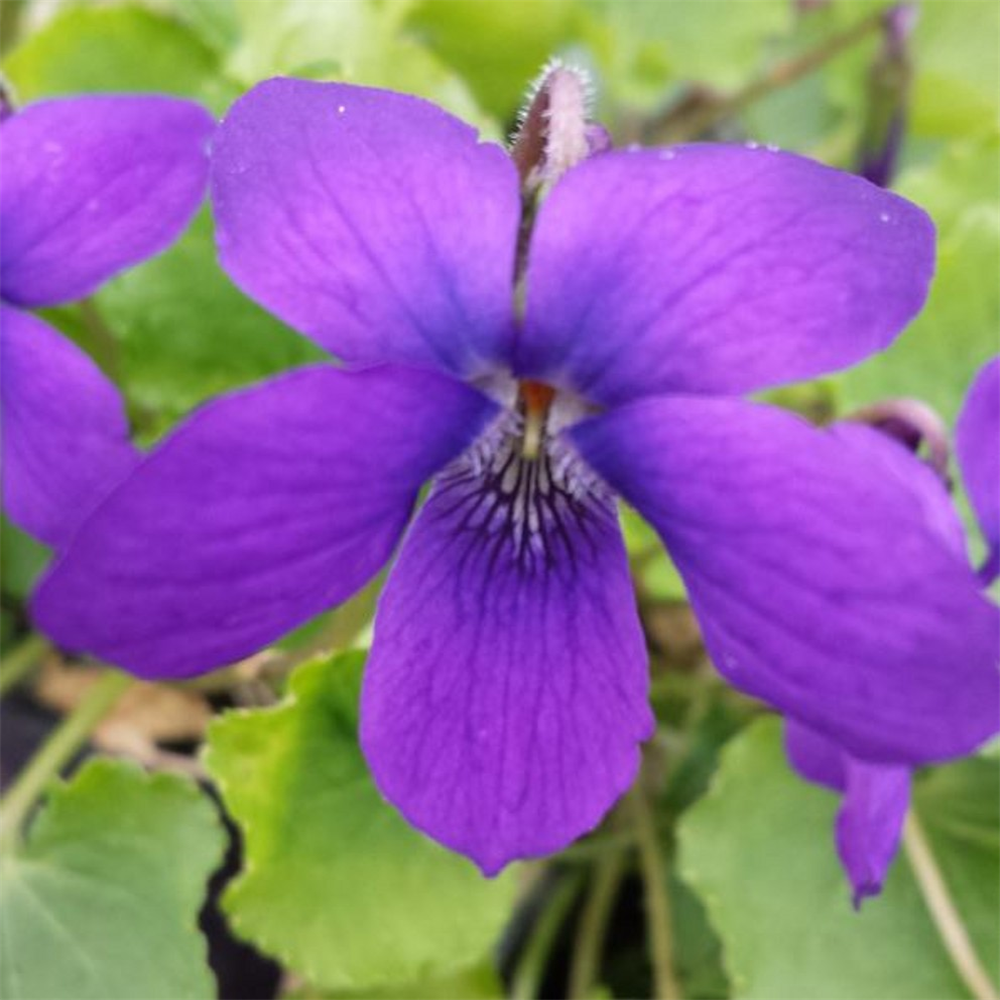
pixel 522 490
pixel 534 399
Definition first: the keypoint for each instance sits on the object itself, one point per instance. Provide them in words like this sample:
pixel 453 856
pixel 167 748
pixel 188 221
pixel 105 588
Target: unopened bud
pixel 555 132
pixel 915 426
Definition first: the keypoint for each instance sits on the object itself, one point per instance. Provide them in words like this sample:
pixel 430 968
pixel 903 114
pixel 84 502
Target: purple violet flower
pixel 506 690
pixel 876 796
pixel 90 185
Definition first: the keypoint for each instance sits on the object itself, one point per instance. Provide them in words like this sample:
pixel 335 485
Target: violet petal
pixel 373 222
pixel 715 269
pixel 65 435
pixel 265 508
pixel 506 691
pixel 820 583
pixel 977 445
pixel 875 800
pixel 92 185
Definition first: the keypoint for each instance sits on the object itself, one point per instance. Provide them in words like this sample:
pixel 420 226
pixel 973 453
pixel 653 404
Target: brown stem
pixel 693 120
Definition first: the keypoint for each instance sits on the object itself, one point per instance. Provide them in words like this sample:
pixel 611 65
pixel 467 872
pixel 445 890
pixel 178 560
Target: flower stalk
pixel 943 911
pixel 659 922
pixel 588 948
pixel 531 968
pixel 57 751
pixel 21 660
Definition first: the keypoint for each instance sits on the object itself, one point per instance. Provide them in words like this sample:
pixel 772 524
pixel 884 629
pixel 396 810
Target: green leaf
pixel 24 559
pixel 214 20
pixel 337 885
pixel 758 848
pixel 356 41
pixel 651 564
pixel 102 902
pixel 499 48
pixel 116 49
pixel 957 86
pixel 937 356
pixel 698 951
pixel 478 982
pixel 187 333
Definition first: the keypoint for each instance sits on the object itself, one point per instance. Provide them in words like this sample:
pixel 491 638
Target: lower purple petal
pixel 875 800
pixel 821 584
pixel 870 823
pixel 65 435
pixel 506 692
pixel 267 507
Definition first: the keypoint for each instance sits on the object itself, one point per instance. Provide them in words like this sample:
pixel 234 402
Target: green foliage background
pixel 102 896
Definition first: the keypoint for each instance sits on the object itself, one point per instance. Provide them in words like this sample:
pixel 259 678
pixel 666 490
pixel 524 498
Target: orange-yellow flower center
pixel 535 398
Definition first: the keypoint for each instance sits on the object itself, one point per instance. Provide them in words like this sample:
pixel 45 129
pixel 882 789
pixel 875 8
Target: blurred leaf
pixel 337 885
pixel 719 43
pixel 356 41
pixel 116 49
pixel 479 982
pixel 938 354
pixel 188 333
pixel 650 562
pixel 957 87
pixel 102 902
pixel 759 851
pixel 499 48
pixel 214 20
pixel 24 559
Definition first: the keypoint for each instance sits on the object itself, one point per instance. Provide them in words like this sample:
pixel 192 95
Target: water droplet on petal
pixel 341 109
pixel 667 154
pixel 752 145
pixel 883 216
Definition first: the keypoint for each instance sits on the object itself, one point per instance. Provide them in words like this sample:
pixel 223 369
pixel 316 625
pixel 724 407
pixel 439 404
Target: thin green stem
pixel 101 341
pixel 534 961
pixel 585 965
pixel 659 924
pixel 21 660
pixel 64 741
pixel 694 121
pixel 943 911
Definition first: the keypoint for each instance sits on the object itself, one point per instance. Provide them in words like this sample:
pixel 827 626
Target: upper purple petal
pixel 715 269
pixel 65 435
pixel 875 800
pixel 265 508
pixel 819 581
pixel 373 222
pixel 506 691
pixel 977 446
pixel 91 185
